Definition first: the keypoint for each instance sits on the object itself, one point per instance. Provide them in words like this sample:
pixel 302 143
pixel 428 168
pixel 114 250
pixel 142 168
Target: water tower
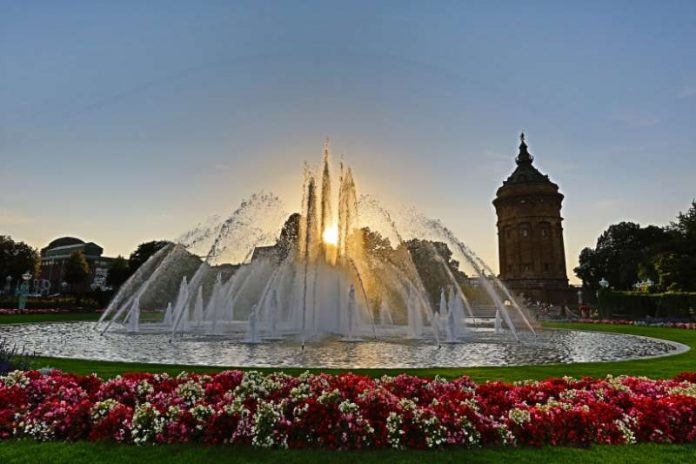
pixel 530 233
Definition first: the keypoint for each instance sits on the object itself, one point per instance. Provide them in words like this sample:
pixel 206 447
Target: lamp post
pixel 8 285
pixel 604 284
pixel 24 290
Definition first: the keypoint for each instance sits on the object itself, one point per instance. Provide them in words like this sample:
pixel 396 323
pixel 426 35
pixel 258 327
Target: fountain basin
pixel 481 348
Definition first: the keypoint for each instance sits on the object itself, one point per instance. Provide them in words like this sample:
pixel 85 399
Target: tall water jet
pixel 351 312
pixel 452 316
pixel 252 328
pixel 181 305
pixel 134 318
pixel 273 315
pixel 415 318
pixel 385 317
pixel 168 317
pixel 198 308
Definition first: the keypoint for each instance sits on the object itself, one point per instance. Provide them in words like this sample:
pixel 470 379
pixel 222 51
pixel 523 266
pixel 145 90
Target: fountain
pixel 342 283
pixel 329 271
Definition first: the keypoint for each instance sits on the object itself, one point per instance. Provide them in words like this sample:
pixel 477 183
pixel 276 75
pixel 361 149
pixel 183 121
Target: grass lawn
pixel 29 452
pixel 85 452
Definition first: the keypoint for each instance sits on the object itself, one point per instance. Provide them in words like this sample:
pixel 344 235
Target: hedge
pixel 640 305
pixel 67 302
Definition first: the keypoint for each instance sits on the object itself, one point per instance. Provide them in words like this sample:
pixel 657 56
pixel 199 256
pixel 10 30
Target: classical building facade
pixel 56 254
pixel 530 233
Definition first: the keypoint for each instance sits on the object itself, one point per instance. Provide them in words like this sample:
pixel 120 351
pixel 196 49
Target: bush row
pixel 640 305
pixel 90 301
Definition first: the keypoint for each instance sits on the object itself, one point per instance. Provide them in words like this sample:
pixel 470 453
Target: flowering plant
pixel 346 411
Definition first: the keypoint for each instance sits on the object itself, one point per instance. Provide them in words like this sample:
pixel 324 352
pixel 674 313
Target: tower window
pixel 525 232
pixel 526 267
pixel 546 266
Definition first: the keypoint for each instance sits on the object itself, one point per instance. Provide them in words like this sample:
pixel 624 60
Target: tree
pixel 623 251
pixel 432 261
pixel 143 252
pixel 289 236
pixel 16 258
pixel 76 268
pixel 119 272
pixel 626 253
pixel 685 225
pixel 374 244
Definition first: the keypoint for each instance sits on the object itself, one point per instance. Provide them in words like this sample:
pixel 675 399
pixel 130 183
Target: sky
pixel 127 121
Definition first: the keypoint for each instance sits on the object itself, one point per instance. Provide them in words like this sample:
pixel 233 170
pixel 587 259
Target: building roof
pixel 64 246
pixel 64 241
pixel 526 173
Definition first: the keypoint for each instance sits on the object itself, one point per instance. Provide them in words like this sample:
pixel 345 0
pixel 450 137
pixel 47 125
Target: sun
pixel 330 235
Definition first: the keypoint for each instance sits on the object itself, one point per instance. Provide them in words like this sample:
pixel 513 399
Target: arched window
pixel 524 230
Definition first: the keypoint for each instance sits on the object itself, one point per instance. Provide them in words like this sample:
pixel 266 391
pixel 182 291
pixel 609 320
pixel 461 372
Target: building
pixel 530 234
pixel 56 254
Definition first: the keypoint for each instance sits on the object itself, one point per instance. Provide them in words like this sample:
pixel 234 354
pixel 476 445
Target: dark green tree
pixel 143 252
pixel 289 235
pixel 623 252
pixel 119 272
pixel 433 260
pixel 626 253
pixel 375 244
pixel 685 225
pixel 76 269
pixel 16 258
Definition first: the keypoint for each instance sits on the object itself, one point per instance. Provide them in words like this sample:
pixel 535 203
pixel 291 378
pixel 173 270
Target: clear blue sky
pixel 132 120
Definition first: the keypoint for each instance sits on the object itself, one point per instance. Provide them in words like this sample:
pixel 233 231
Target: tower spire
pixel 524 157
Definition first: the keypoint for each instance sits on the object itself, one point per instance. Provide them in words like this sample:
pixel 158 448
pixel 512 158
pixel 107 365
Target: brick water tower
pixel 530 233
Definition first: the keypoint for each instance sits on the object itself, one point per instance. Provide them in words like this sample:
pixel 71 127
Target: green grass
pixel 56 317
pixel 30 452
pixel 656 368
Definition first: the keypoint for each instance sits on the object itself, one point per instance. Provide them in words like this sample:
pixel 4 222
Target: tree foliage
pixel 434 263
pixel 76 268
pixel 627 253
pixel 16 258
pixel 119 272
pixel 143 252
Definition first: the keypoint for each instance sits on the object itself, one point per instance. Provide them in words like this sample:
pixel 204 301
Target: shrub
pixel 638 305
pixel 12 358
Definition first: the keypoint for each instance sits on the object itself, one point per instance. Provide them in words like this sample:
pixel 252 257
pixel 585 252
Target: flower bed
pixel 641 322
pixel 345 411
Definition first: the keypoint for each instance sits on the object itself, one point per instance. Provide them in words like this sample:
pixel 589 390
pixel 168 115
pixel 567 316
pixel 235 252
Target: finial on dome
pixel 524 157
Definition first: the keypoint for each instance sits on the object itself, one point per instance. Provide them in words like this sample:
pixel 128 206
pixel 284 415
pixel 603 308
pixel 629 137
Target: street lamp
pixel 8 284
pixel 604 283
pixel 24 291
